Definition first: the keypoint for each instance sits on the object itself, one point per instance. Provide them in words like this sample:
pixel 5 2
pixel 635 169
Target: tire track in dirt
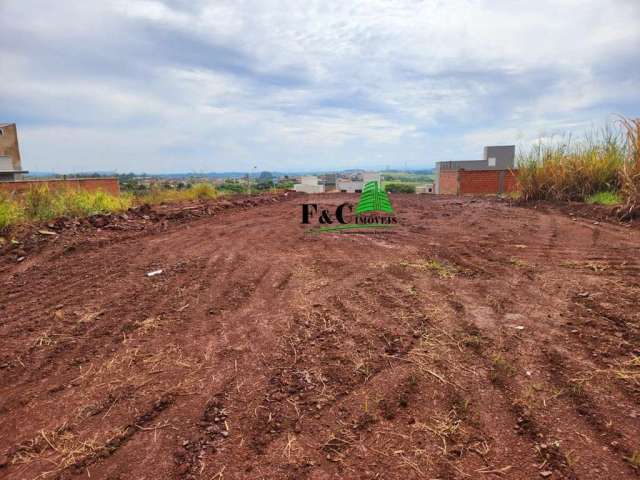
pixel 585 406
pixel 563 401
pixel 500 367
pixel 527 421
pixel 137 297
pixel 284 382
pixel 506 364
pixel 293 384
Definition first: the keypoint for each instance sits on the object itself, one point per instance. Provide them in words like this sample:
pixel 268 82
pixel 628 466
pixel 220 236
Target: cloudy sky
pixel 191 85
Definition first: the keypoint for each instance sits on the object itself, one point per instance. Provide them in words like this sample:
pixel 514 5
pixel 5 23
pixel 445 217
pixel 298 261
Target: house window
pixel 492 161
pixel 1 132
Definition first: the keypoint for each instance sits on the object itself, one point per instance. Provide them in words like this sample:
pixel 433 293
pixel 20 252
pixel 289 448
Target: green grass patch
pixel 604 198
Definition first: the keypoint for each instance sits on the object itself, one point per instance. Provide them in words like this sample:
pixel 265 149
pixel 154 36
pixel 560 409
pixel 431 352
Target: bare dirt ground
pixel 480 340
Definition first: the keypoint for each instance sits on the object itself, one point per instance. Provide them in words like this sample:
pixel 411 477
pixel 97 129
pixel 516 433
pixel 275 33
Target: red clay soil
pixel 477 340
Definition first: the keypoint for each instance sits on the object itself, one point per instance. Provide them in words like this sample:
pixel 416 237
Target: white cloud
pixel 209 85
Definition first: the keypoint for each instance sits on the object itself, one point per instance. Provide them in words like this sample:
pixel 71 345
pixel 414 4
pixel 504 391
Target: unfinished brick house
pixel 491 175
pixel 10 164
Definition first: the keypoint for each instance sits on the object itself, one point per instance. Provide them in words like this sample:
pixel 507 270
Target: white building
pixel 426 188
pixel 308 184
pixel 356 186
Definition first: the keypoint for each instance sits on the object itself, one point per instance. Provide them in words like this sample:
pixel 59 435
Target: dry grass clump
pixel 629 371
pixel 441 269
pixel 634 459
pixel 502 369
pixel 60 447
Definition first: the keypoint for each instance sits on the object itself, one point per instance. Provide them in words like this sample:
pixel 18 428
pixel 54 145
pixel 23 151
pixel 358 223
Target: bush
pixel 264 185
pixel 233 187
pixel 285 185
pixel 400 187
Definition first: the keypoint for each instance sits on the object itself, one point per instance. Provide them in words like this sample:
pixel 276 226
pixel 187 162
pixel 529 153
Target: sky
pixel 211 86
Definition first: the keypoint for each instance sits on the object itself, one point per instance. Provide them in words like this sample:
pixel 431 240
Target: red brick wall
pixel 109 185
pixel 448 182
pixel 478 181
pixel 486 181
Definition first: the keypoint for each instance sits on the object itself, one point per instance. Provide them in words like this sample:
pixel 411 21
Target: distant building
pixel 329 181
pixel 426 188
pixel 308 184
pixel 348 186
pixel 10 164
pixel 356 186
pixel 501 157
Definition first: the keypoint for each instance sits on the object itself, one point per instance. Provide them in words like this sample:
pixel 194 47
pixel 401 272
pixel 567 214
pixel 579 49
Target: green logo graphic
pixel 373 199
pixel 373 213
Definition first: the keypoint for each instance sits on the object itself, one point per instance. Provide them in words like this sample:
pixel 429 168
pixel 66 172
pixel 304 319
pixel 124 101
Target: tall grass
pixel 572 170
pixel 40 204
pixel 630 173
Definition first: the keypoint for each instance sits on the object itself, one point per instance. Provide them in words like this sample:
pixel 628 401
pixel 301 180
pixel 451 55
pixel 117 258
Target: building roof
pixel 458 164
pixel 5 124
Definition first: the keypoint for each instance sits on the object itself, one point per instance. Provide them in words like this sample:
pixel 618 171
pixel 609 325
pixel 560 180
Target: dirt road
pixel 479 340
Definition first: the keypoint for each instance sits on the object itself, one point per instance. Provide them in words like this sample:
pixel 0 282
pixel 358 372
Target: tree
pixel 265 181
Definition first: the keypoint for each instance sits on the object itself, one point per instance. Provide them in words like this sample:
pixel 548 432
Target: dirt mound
pixel 27 240
pixel 601 213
